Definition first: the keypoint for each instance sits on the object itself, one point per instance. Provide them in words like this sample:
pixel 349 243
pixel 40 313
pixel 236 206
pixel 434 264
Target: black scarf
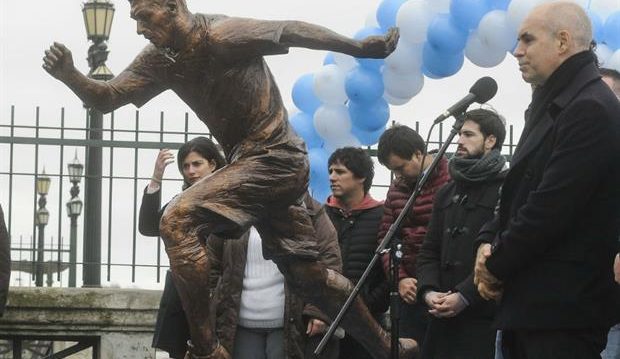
pixel 556 83
pixel 474 170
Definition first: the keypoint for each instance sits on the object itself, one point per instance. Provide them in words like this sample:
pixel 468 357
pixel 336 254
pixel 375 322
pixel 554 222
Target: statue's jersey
pixel 222 76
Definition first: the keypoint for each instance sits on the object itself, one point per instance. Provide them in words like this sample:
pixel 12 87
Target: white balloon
pixel 345 62
pixel 396 101
pixel 371 20
pixel 440 6
pixel 582 3
pixel 329 85
pixel 604 53
pixel 332 121
pixel 604 8
pixel 406 58
pixel 480 53
pixel 614 61
pixel 413 19
pixel 347 140
pixel 494 31
pixel 403 85
pixel 518 10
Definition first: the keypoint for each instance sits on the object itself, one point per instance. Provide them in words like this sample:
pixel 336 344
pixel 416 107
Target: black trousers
pixel 414 320
pixel 554 344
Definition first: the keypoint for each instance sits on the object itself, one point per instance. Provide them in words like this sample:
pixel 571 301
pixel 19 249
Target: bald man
pixel 546 257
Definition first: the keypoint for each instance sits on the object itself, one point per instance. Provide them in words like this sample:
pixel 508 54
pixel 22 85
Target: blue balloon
pixel 320 192
pixel 445 36
pixel 369 117
pixel 597 26
pixel 303 94
pixel 429 74
pixel 367 138
pixel 500 4
pixel 303 125
pixel 466 14
pixel 611 31
pixel 372 64
pixel 319 175
pixel 329 59
pixel 387 11
pixel 364 85
pixel 440 63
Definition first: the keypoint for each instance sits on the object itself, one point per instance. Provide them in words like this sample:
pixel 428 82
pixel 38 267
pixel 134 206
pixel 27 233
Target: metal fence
pixel 33 143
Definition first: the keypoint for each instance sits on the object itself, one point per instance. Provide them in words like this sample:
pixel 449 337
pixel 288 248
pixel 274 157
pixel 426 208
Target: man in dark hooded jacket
pixel 460 326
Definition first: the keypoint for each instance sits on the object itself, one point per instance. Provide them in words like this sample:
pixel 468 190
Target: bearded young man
pixel 547 255
pixel 460 325
pixel 215 64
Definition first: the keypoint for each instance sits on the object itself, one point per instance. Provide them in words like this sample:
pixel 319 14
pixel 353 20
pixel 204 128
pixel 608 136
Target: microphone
pixel 482 91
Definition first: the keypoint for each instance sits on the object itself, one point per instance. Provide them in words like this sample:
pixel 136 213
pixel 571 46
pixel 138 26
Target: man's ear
pixel 171 5
pixel 564 39
pixel 489 142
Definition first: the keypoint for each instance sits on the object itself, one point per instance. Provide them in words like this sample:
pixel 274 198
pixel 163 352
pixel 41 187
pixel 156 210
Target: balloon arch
pixel 347 101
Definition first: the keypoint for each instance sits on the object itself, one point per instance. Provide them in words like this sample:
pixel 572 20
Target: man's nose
pixel 139 28
pixel 518 51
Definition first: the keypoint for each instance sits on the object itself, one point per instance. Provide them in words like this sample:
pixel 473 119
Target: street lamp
pixel 74 209
pixel 98 16
pixel 42 218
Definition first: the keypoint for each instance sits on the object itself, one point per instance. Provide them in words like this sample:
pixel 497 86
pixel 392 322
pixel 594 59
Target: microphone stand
pixel 382 249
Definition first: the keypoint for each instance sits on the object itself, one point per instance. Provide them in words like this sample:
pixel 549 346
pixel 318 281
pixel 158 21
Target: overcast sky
pixel 27 28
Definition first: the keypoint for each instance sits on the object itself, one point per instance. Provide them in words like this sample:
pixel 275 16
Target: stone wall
pixel 120 321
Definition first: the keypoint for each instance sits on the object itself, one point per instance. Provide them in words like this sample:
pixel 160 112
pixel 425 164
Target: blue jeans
pixel 612 351
pixel 498 345
pixel 256 343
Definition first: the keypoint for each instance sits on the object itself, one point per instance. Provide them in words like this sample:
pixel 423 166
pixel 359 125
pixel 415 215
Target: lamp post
pixel 42 218
pixel 74 209
pixel 98 15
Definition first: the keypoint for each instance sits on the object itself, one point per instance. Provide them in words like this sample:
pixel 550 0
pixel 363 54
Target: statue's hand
pixel 58 61
pixel 379 47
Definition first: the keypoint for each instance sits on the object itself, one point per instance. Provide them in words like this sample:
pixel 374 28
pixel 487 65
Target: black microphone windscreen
pixel 484 89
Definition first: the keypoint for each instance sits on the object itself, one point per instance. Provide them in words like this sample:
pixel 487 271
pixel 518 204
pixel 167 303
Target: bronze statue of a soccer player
pixel 215 64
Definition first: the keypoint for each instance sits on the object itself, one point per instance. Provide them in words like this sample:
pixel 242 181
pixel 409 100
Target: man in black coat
pixel 548 254
pixel 356 217
pixel 460 325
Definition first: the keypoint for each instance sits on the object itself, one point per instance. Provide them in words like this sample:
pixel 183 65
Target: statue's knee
pixel 338 281
pixel 174 222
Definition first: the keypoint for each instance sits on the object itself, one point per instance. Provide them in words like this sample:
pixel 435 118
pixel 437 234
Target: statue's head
pixel 158 20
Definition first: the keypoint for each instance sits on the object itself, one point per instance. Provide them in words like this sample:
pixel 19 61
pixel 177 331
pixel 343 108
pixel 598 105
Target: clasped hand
pixel 489 287
pixel 444 304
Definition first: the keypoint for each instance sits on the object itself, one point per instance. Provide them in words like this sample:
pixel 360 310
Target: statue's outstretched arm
pixel 241 37
pixel 58 62
pixel 303 34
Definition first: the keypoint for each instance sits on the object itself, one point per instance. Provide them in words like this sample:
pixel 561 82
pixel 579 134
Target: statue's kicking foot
pixel 408 349
pixel 218 353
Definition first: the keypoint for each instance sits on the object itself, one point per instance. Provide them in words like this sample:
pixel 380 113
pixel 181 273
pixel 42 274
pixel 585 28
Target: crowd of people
pixel 496 263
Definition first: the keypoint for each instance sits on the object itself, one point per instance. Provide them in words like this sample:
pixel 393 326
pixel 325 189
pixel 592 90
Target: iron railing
pixel 129 151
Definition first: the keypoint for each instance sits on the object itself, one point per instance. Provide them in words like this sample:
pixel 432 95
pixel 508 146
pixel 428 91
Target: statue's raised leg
pixel 182 233
pixel 323 287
